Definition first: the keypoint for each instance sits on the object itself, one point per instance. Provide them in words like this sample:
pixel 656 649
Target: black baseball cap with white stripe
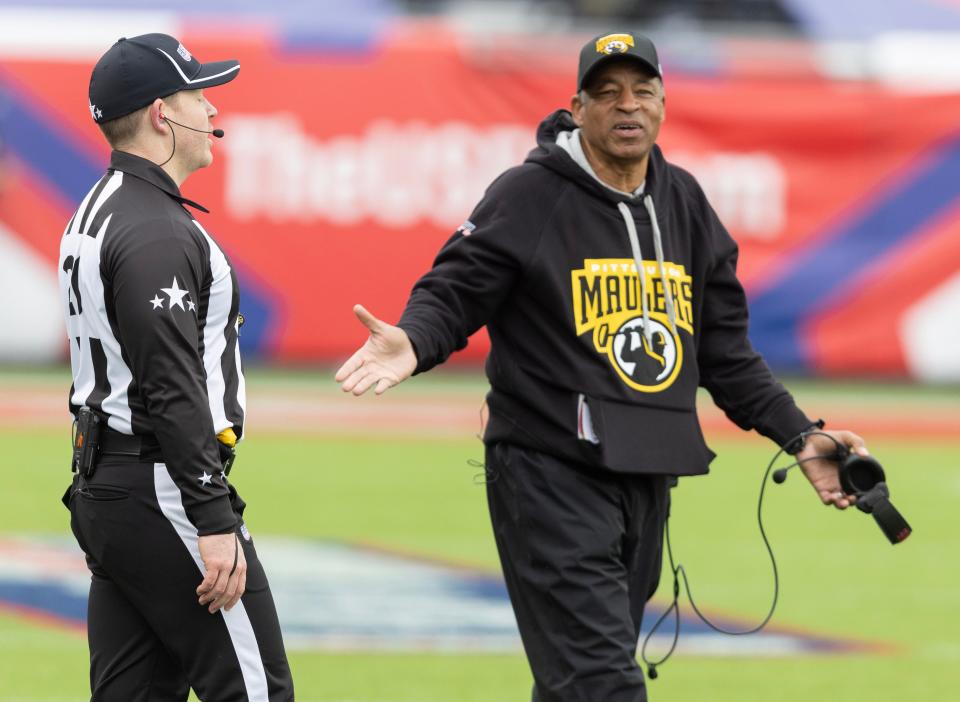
pixel 136 71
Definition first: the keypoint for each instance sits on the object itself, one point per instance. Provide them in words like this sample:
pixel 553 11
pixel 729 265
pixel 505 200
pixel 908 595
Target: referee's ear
pixel 156 111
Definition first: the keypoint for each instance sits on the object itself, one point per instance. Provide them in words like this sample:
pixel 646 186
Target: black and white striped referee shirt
pixel 151 306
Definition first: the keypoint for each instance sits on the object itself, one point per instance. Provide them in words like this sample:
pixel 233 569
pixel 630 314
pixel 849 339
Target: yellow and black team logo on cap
pixel 606 302
pixel 614 44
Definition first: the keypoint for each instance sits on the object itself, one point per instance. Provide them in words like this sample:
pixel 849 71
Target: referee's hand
pixel 226 576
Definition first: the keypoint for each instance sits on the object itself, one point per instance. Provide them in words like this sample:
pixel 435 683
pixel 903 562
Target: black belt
pixel 139 446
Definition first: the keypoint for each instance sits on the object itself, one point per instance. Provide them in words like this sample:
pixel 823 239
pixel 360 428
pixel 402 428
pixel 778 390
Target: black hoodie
pixel 546 263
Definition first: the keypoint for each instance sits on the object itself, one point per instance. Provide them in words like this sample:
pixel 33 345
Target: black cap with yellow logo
pixel 604 47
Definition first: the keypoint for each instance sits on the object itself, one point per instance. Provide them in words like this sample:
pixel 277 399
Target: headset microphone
pixel 863 477
pixel 216 132
pixel 860 476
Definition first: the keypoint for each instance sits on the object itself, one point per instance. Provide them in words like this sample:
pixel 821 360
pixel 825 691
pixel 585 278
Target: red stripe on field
pixel 448 416
pixel 39 617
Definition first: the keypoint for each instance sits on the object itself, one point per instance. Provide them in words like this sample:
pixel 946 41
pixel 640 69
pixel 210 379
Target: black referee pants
pixel 581 554
pixel 150 641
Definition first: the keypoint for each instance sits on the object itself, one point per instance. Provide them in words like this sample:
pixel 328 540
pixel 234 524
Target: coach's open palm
pixel 385 359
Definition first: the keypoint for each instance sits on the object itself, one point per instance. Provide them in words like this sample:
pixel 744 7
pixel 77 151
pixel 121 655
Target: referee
pixel 178 597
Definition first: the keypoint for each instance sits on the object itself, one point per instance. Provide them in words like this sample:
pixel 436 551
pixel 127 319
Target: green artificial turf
pixel 838 574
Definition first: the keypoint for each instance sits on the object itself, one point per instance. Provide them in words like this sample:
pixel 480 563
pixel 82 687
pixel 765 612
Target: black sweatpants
pixel 150 640
pixel 581 553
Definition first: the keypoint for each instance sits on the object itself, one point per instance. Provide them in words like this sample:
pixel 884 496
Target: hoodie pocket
pixel 636 438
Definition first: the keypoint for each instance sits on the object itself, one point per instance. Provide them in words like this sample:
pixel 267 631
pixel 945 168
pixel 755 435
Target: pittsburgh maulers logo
pixel 606 302
pixel 614 44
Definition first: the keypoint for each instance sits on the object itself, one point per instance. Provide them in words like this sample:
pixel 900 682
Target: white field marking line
pixel 941 651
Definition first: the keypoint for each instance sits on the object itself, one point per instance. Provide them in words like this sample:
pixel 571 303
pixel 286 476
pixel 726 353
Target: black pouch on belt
pixel 228 455
pixel 86 442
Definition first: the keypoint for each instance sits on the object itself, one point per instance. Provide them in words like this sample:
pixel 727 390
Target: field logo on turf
pixel 336 597
pixel 607 302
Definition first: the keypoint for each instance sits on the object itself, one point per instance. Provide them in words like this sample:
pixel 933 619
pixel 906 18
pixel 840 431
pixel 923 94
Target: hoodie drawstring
pixel 638 259
pixel 658 248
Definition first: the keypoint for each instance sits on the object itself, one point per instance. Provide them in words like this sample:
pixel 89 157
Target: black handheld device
pixel 863 477
pixel 86 441
pixel 860 476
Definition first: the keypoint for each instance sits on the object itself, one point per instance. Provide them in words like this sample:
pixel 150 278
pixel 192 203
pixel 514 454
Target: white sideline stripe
pixel 196 80
pixel 238 623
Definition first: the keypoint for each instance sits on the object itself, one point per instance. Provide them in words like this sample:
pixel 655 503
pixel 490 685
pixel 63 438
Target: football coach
pixel 609 289
pixel 178 597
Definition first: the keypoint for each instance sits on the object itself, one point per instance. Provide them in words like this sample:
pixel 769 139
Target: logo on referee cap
pixel 182 50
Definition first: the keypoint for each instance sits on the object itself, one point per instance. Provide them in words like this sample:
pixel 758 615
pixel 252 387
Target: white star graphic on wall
pixel 205 479
pixel 176 294
pixel 157 302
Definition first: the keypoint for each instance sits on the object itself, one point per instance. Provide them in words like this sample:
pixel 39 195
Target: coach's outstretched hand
pixel 385 359
pixel 824 474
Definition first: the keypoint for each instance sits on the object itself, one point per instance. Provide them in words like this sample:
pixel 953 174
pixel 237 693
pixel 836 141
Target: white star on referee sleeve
pixel 176 294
